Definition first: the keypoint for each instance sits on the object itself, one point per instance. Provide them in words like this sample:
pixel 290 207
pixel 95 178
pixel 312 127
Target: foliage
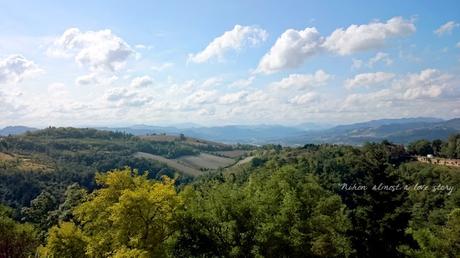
pixel 421 147
pixel 16 239
pixel 129 215
pixel 446 149
pixel 278 212
pixel 286 202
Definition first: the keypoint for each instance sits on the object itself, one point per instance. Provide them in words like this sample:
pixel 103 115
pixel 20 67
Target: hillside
pixel 66 155
pixel 322 193
pixel 403 130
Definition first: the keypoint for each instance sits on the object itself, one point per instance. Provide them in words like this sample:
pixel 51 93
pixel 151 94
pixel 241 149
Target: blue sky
pixel 239 62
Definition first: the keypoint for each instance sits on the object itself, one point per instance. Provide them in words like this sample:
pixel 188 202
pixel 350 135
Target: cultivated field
pixel 244 161
pixel 191 165
pixel 171 163
pixel 232 153
pixel 206 161
pixel 22 163
pixel 186 140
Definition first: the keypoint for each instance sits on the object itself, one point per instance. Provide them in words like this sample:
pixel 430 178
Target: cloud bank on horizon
pixel 208 68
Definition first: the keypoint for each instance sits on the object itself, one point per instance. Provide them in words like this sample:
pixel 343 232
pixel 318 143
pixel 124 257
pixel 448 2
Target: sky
pixel 118 63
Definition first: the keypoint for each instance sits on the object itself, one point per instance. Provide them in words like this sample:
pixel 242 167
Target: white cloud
pixel 429 83
pixel 446 28
pixel 232 98
pixel 95 78
pixel 57 90
pixel 98 50
pixel 380 57
pixel 405 93
pixel 293 47
pixel 141 82
pixel 368 79
pixel 235 39
pixel 15 68
pixel 211 82
pixel 202 97
pixel 357 38
pixel 242 82
pixel 303 81
pixel 291 50
pixel 304 99
pixel 127 97
pixel 458 44
pixel 11 108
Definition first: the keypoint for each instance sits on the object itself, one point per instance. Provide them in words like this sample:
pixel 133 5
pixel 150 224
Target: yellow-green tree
pixel 65 240
pixel 130 216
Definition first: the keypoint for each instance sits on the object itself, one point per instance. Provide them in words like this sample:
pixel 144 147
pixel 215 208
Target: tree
pixel 452 148
pixel 130 214
pixel 74 196
pixel 277 212
pixel 41 210
pixel 437 146
pixel 65 240
pixel 16 240
pixel 420 147
pixel 439 241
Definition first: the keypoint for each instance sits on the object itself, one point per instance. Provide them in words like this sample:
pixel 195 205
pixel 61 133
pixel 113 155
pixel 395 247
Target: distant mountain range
pixel 395 130
pixel 13 130
pixel 402 130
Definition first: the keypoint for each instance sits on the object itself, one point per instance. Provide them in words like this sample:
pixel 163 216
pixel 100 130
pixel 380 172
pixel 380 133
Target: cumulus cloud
pixel 242 82
pixel 202 97
pixel 303 81
pixel 446 28
pixel 294 47
pixel 427 85
pixel 235 39
pixel 95 78
pixel 98 50
pixel 368 79
pixel 141 82
pixel 127 97
pixel 304 99
pixel 15 68
pixel 291 50
pixel 232 98
pixel 357 38
pixel 380 57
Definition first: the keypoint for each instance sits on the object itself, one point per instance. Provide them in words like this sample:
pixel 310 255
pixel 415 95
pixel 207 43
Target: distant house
pixel 439 161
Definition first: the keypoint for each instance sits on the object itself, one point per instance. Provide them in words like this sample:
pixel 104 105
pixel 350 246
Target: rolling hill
pixel 401 130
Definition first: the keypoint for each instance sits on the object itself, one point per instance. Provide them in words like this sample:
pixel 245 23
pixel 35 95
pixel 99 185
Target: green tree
pixel 439 241
pixel 452 148
pixel 420 147
pixel 277 212
pixel 16 240
pixel 130 214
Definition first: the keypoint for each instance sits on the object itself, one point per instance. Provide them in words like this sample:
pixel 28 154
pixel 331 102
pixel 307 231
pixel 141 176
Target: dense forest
pixel 85 195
